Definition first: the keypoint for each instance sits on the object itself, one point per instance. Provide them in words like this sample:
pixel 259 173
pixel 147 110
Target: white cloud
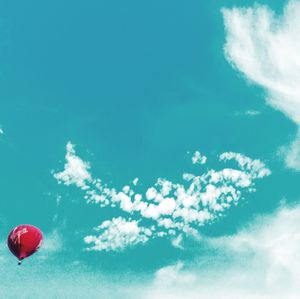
pixel 168 208
pixel 177 242
pixel 52 244
pixel 262 261
pixel 76 170
pixel 117 234
pixel 249 113
pixel 252 112
pixel 151 193
pixel 256 168
pixel 266 48
pixel 292 154
pixel 198 158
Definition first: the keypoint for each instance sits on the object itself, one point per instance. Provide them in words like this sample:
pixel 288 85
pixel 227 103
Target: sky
pixel 155 144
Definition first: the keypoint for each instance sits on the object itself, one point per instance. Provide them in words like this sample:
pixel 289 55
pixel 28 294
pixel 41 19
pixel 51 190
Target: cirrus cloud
pixel 265 49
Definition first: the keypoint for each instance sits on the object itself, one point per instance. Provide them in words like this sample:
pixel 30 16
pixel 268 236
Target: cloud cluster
pixel 265 48
pixel 118 233
pixel 167 208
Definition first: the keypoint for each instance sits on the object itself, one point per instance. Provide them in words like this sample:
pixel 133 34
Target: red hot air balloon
pixel 24 240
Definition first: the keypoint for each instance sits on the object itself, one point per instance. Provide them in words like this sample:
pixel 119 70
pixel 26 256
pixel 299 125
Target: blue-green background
pixel 135 85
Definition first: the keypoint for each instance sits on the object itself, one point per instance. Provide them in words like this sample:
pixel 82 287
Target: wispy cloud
pixel 198 158
pixel 52 244
pixel 262 261
pixel 266 48
pixel 61 279
pixel 249 113
pixel 166 209
pixel 252 112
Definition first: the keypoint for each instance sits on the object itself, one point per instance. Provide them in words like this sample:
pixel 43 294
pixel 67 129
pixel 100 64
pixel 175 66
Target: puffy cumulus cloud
pixel 76 170
pixel 262 261
pixel 116 234
pixel 265 48
pixel 198 158
pixel 169 208
pixel 256 168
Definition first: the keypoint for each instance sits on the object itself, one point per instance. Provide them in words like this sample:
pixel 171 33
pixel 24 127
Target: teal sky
pixel 137 87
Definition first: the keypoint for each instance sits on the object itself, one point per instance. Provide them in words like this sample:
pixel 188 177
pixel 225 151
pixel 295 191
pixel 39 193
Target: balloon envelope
pixel 24 240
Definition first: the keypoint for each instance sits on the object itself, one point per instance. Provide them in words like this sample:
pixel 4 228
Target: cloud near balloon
pixel 166 209
pixel 260 261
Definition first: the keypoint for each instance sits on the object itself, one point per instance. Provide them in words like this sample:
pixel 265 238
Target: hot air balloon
pixel 24 240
